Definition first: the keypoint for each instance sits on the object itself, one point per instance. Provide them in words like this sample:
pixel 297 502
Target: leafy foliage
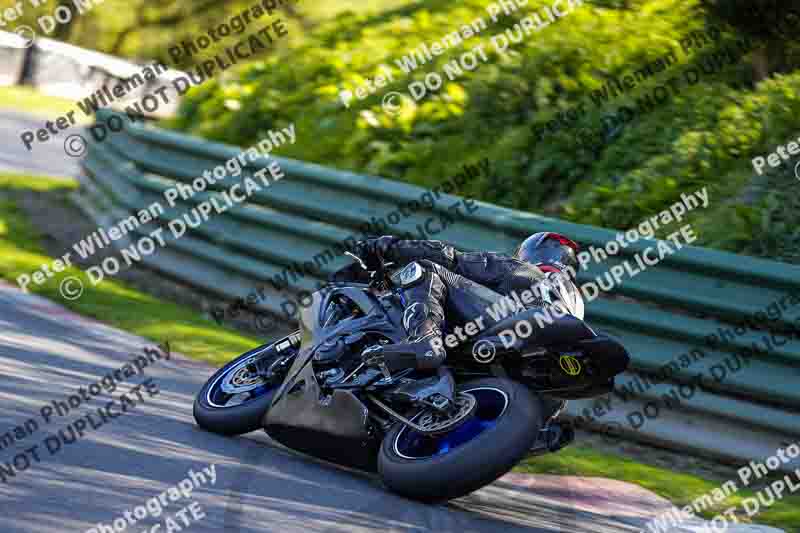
pixel 775 23
pixel 764 19
pixel 144 30
pixel 702 135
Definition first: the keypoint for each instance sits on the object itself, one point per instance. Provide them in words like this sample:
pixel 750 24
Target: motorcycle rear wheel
pixel 499 434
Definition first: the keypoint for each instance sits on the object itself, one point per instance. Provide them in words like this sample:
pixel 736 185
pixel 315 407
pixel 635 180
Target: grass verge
pixel 192 334
pixel 680 489
pixel 111 301
pixel 37 103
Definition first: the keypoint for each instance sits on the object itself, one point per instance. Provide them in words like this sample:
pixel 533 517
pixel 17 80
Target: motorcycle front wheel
pixel 233 401
pixel 501 431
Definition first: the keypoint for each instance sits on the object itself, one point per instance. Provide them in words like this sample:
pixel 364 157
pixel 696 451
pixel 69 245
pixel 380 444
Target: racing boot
pixel 416 352
pixel 424 293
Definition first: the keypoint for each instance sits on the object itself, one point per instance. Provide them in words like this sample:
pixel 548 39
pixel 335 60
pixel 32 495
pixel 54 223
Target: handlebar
pixel 358 260
pixel 379 278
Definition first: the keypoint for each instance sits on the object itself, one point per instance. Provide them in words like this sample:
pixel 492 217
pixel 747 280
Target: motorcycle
pixel 325 389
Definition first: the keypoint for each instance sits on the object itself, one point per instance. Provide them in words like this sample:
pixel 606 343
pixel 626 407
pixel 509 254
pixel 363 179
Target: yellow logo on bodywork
pixel 570 365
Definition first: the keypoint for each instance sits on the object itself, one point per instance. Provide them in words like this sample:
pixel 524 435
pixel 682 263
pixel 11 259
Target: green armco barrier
pixel 662 313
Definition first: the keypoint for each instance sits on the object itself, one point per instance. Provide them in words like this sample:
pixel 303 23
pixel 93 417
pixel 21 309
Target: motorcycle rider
pixel 431 273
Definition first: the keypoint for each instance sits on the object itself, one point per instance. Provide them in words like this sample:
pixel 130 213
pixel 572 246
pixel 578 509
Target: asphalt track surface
pixel 44 158
pixel 47 353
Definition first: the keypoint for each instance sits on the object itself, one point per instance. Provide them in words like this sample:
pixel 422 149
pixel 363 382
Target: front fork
pixel 269 369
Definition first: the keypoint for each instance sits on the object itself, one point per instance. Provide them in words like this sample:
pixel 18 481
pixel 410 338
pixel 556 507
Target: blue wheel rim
pixel 218 398
pixel 492 404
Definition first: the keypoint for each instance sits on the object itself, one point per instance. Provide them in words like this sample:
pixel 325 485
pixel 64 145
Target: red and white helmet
pixel 550 251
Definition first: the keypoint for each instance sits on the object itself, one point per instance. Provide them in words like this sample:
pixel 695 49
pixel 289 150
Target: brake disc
pixel 241 379
pixel 437 422
pixel 432 422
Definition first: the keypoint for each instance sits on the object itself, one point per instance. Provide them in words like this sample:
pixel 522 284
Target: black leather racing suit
pixel 454 283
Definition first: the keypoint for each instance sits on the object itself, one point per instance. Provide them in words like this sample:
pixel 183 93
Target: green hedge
pixel 704 136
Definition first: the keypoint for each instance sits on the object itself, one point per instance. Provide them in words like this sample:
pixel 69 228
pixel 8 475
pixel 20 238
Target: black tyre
pixel 497 436
pixel 233 401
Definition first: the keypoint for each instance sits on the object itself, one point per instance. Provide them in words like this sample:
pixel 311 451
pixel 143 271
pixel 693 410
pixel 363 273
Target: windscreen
pixel 309 318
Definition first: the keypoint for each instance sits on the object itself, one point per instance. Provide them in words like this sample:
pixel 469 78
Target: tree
pixel 179 17
pixel 773 22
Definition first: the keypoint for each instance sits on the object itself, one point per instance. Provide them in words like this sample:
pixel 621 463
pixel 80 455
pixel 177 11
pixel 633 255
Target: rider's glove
pixel 371 249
